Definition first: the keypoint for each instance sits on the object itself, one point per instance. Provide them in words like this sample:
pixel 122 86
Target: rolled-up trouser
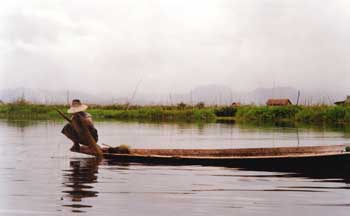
pixel 69 131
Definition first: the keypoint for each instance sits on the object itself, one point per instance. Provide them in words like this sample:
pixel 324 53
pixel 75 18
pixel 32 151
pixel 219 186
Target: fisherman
pixel 77 109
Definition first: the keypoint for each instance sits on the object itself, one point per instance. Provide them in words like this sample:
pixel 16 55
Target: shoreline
pixel 316 115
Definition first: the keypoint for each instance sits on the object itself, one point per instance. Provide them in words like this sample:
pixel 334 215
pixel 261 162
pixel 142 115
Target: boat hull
pixel 316 159
pixel 327 161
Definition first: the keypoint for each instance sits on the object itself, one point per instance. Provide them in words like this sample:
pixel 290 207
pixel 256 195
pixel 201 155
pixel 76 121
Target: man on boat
pixel 77 109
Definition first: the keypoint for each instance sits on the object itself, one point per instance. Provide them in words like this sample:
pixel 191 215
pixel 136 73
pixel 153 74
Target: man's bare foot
pixel 86 150
pixel 75 147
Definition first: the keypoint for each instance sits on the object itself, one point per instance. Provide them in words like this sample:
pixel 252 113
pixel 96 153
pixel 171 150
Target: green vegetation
pixel 315 115
pixel 25 110
pixel 29 111
pixel 267 113
pixel 155 114
pixel 225 111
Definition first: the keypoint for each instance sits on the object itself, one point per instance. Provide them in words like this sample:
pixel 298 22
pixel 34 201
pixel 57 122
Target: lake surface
pixel 39 176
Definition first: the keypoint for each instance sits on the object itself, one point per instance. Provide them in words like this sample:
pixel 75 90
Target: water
pixel 39 176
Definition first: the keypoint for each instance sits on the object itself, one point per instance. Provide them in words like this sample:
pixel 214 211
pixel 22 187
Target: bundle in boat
pixel 122 149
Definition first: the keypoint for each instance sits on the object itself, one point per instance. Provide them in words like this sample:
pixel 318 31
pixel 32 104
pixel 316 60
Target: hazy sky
pixel 174 45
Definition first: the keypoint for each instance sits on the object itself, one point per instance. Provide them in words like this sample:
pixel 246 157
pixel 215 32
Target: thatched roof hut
pixel 344 102
pixel 278 102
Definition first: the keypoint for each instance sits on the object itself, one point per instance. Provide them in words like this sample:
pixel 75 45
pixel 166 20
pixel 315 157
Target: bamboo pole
pixel 63 115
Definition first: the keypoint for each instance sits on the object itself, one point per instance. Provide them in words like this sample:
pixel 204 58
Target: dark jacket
pixel 69 131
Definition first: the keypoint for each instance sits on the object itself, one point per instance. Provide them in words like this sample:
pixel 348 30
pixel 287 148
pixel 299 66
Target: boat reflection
pixel 322 175
pixel 78 182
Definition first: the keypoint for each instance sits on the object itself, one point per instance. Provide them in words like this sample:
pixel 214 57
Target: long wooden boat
pixel 330 157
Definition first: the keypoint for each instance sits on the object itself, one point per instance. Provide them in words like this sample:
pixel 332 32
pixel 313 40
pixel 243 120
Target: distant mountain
pixel 43 96
pixel 213 94
pixel 261 95
pixel 209 94
pixel 220 94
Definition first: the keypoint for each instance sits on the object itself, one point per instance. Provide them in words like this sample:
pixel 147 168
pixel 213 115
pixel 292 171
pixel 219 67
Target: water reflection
pixel 340 175
pixel 21 123
pixel 335 127
pixel 30 184
pixel 78 181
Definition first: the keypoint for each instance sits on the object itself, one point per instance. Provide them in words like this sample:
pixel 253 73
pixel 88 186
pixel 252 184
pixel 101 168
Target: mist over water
pixel 173 47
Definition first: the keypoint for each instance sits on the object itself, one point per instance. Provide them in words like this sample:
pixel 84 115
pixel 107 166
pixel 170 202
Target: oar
pixel 63 115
